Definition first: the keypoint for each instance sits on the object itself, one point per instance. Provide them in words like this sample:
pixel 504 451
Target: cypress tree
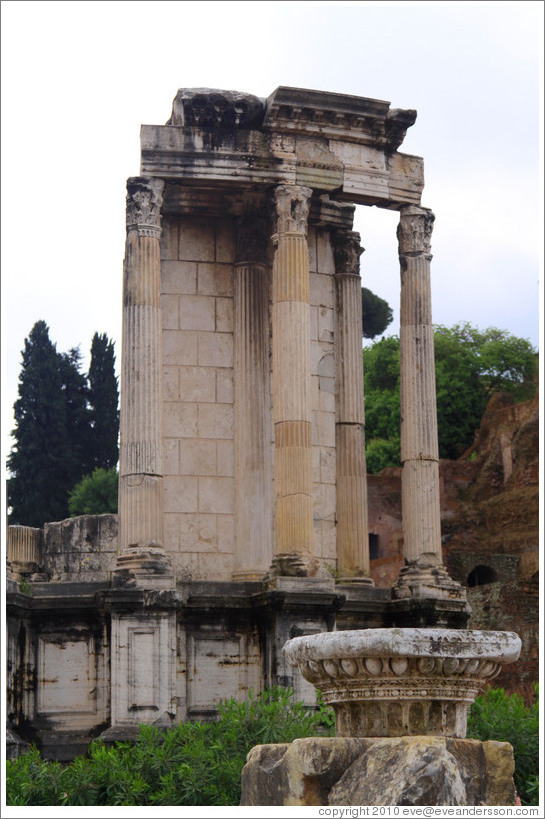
pixel 78 419
pixel 36 490
pixel 103 401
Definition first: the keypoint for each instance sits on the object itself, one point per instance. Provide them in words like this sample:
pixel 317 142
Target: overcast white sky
pixel 78 79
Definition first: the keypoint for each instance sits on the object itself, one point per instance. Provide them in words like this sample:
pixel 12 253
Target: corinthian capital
pixel 347 250
pixel 290 208
pixel 414 230
pixel 144 200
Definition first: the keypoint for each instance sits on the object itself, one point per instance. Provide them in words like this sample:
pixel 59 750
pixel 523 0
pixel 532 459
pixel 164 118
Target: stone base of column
pixel 418 580
pixel 146 567
pixel 422 770
pixel 296 567
pixel 358 581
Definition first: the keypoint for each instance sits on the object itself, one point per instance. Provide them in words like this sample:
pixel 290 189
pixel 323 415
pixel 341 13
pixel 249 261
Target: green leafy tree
pixel 37 488
pixel 376 314
pixel 95 494
pixel 470 365
pixel 103 401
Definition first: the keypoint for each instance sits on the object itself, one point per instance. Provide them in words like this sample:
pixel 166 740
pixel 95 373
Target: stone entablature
pixel 329 142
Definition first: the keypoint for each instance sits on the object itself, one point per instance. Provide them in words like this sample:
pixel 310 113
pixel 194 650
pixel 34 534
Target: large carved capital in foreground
pixel 144 200
pixel 414 230
pixel 348 250
pixel 290 208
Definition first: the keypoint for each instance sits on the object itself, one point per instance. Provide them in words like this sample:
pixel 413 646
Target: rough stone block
pixel 398 771
pixel 84 547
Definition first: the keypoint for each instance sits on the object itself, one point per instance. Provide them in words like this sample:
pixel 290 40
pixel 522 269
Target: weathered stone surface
pixel 399 681
pixel 401 771
pixel 215 108
pixel 300 773
pixel 426 771
pixel 83 548
pixel 330 142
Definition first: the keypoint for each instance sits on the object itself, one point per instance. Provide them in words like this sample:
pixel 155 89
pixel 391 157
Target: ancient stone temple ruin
pixel 242 500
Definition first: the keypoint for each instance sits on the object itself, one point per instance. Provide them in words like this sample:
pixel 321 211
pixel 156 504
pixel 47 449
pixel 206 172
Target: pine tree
pixel 103 400
pixel 376 314
pixel 36 490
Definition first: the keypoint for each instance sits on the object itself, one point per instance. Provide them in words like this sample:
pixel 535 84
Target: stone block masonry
pixel 242 468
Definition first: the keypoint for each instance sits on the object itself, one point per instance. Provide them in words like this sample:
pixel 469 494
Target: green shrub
pixel 190 764
pixel 503 717
pixel 95 494
pixel 200 763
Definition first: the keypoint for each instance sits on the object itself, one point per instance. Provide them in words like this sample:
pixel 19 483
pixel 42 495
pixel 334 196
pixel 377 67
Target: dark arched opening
pixel 480 576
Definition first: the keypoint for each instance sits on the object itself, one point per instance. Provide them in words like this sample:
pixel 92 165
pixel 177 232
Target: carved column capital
pixel 414 231
pixel 144 200
pixel 347 250
pixel 290 208
pixel 252 238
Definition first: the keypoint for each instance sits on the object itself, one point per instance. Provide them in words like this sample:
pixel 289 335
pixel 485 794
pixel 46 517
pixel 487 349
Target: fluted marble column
pixel 294 530
pixel 253 457
pixel 423 574
pixel 140 462
pixel 352 516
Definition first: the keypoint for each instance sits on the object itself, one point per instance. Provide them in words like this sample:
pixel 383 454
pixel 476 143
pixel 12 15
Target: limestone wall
pixel 197 257
pixel 197 284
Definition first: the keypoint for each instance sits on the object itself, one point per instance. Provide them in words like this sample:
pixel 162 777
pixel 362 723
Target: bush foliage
pixel 506 718
pixel 190 764
pixel 95 494
pixel 201 763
